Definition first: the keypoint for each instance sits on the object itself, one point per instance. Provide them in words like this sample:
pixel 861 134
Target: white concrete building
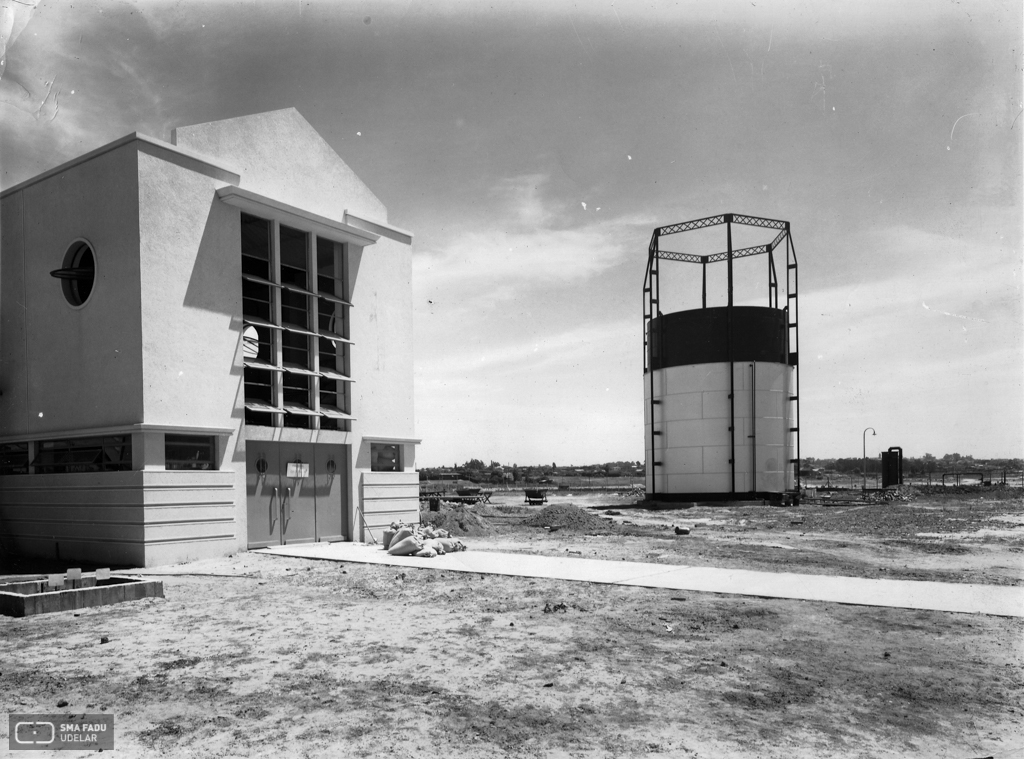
pixel 205 346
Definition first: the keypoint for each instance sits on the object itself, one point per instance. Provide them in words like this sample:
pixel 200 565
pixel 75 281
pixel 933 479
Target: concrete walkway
pixel 997 600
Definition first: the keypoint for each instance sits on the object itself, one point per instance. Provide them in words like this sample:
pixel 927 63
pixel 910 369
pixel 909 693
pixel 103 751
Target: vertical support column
pixel 753 427
pixel 148 450
pixel 656 312
pixel 651 292
pixel 704 281
pixel 732 366
pixel 793 331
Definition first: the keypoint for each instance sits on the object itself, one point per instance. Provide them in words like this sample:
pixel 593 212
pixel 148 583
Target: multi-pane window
pixel 332 315
pixel 85 454
pixel 258 308
pixel 295 340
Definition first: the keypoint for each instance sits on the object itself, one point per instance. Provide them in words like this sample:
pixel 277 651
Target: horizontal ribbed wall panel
pixel 138 517
pixel 390 497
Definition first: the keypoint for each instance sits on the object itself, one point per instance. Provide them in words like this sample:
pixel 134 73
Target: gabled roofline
pixel 152 146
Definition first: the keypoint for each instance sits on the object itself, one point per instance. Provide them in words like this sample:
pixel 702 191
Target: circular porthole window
pixel 77 273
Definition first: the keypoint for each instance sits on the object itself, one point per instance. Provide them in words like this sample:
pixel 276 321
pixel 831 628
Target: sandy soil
pixel 254 655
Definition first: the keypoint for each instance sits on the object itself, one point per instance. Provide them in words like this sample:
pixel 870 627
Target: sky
pixel 532 147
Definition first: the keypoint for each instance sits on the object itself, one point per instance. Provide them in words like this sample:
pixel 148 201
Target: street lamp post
pixel 864 463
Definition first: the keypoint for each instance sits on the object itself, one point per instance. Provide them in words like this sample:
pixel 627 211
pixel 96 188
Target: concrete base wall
pixel 138 518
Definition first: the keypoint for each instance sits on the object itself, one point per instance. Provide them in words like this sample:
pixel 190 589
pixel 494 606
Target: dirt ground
pixel 259 656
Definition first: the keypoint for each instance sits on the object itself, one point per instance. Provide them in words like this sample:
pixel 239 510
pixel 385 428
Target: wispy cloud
pixel 554 350
pixel 534 239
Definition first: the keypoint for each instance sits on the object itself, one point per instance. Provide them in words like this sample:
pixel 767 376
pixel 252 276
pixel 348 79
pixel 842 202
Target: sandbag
pixel 451 545
pixel 402 533
pixel 389 535
pixel 426 553
pixel 405 547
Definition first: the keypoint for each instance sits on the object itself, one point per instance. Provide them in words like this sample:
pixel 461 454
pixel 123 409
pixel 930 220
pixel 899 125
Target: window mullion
pixel 342 267
pixel 313 316
pixel 276 378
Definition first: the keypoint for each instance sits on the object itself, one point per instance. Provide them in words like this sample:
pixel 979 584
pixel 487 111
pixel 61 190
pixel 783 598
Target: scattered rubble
pixel 424 542
pixel 903 493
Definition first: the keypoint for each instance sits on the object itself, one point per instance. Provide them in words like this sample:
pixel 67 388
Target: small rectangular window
pixel 329 279
pixel 190 452
pixel 258 385
pixel 14 458
pixel 295 309
pixel 256 300
pixel 295 350
pixel 255 246
pixel 294 269
pixel 385 457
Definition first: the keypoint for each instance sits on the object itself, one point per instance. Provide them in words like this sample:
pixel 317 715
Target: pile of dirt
pixel 457 519
pixel 567 516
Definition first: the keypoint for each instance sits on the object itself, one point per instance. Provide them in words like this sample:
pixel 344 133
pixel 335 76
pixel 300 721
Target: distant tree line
pixel 475 470
pixel 926 464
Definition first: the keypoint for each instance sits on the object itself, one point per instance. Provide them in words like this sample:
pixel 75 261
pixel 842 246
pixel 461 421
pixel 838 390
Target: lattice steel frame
pixel 652 296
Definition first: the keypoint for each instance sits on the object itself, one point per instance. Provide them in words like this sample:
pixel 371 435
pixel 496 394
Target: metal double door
pixel 296 492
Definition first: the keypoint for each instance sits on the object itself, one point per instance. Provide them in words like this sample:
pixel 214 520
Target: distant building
pixel 205 346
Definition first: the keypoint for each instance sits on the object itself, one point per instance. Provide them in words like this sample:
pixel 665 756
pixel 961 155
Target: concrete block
pixel 716 459
pixel 741 377
pixel 682 460
pixel 681 406
pixel 15 604
pixel 716 404
pixel 769 403
pixel 771 376
pixel 696 432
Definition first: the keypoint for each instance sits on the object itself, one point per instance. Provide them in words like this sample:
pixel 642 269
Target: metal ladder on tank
pixel 652 294
pixel 793 328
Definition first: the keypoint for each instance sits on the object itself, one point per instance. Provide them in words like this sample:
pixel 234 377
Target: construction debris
pixel 425 542
pixel 903 493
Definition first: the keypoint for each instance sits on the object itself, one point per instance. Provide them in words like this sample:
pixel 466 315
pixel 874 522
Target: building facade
pixel 205 346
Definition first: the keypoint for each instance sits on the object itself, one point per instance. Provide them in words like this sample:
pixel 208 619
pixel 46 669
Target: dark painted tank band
pixel 701 336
